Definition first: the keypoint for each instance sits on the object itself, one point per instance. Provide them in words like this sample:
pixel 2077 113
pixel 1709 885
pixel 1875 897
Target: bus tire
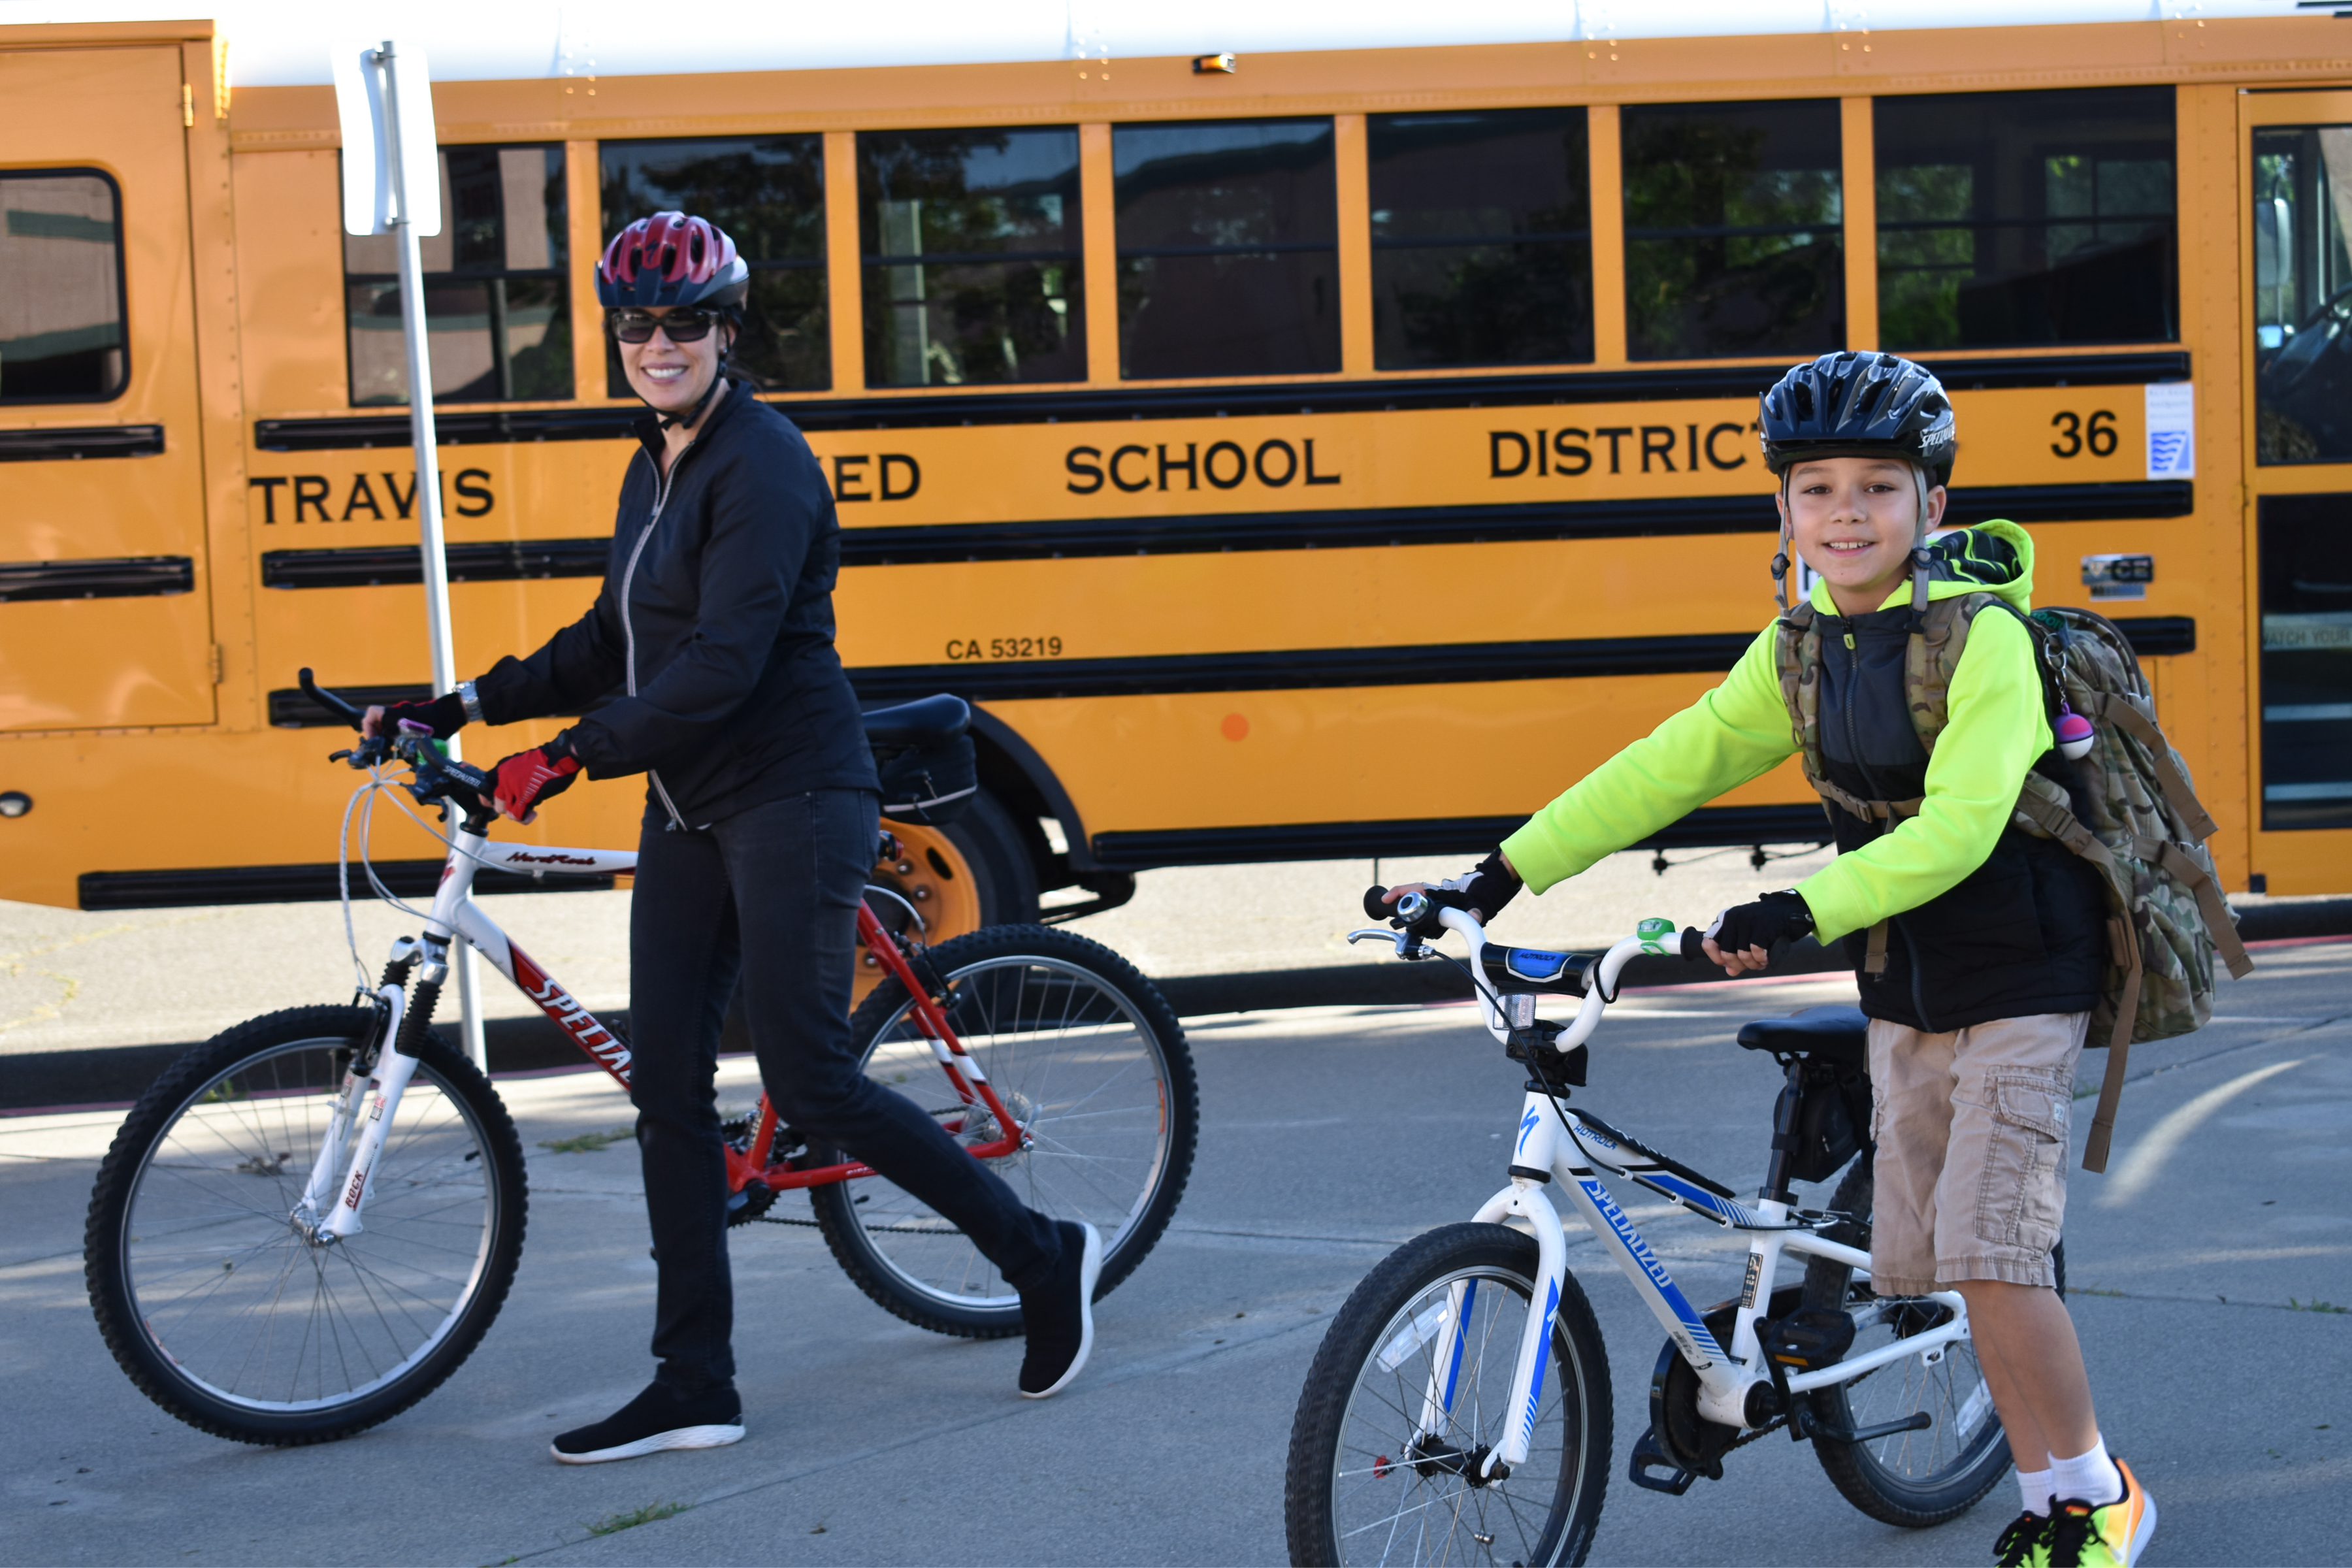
pixel 989 841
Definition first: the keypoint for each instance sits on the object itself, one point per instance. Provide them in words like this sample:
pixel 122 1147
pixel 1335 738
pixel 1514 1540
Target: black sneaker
pixel 1059 1315
pixel 657 1419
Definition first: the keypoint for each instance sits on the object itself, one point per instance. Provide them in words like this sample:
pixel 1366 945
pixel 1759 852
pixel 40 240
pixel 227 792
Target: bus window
pixel 1732 243
pixel 971 241
pixel 2306 672
pixel 2303 294
pixel 61 287
pixel 768 194
pixel 1482 241
pixel 1228 247
pixel 2014 219
pixel 497 302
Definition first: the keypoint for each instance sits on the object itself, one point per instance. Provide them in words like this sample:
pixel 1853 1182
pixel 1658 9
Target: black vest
pixel 2022 934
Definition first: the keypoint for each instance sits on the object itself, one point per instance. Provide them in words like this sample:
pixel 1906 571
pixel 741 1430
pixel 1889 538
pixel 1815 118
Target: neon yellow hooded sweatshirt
pixel 1742 730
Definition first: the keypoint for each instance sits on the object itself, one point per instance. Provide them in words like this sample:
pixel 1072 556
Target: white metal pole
pixel 428 485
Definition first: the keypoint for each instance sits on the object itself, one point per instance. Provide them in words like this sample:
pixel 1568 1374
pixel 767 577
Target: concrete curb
pixel 118 1075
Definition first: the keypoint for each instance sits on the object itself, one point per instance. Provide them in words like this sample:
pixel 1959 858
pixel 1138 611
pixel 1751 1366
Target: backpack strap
pixel 2137 722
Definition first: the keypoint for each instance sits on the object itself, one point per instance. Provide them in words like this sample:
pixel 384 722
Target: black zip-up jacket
pixel 2024 934
pixel 712 636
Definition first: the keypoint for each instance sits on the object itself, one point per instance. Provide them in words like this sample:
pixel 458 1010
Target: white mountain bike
pixel 1443 1421
pixel 309 1221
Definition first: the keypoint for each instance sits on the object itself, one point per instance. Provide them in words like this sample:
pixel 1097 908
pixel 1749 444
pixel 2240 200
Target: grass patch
pixel 2092 1290
pixel 2314 1305
pixel 613 1523
pixel 588 1143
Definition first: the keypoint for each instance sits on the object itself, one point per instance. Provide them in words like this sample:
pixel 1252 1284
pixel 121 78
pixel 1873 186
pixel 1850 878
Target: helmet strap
pixel 1781 560
pixel 691 419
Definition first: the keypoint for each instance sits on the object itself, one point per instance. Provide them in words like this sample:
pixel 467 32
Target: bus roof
pixel 283 43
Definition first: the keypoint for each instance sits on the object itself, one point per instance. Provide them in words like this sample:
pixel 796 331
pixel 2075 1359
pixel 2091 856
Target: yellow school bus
pixel 1291 454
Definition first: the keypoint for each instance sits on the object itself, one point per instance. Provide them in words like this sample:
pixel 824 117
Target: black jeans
pixel 782 882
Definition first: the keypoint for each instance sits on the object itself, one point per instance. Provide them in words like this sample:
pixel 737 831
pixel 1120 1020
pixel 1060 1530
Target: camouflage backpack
pixel 2146 834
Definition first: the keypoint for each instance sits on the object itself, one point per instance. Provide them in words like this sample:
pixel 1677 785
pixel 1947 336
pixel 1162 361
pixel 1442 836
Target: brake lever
pixel 1406 947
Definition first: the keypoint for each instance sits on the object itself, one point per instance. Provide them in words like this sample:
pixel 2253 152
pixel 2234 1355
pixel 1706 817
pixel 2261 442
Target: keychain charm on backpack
pixel 2074 734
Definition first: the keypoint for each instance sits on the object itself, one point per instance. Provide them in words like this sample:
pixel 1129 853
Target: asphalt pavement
pixel 2211 1267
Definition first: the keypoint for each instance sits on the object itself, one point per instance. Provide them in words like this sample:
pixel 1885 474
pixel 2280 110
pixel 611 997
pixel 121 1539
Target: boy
pixel 1985 946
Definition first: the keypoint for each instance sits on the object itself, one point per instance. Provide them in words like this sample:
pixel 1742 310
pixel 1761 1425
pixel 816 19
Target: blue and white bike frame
pixel 1553 1143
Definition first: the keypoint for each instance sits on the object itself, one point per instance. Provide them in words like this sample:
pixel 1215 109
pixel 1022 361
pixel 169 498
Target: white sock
pixel 2089 1477
pixel 2035 1487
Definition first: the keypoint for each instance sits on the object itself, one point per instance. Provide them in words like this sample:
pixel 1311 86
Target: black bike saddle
pixel 1834 1035
pixel 926 721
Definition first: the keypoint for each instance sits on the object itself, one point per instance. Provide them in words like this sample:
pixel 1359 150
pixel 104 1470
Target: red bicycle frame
pixel 969 1080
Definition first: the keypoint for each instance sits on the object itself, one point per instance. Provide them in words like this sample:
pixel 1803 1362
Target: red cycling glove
pixel 521 782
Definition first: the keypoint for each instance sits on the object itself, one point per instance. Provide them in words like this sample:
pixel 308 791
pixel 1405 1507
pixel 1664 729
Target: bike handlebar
pixel 328 700
pixel 1415 914
pixel 438 777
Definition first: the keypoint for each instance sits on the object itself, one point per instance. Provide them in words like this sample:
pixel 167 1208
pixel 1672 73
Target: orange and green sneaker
pixel 2111 1536
pixel 2025 1543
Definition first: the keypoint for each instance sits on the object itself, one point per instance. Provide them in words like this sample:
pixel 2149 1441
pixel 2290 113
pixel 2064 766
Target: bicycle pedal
pixel 1809 1338
pixel 1648 1457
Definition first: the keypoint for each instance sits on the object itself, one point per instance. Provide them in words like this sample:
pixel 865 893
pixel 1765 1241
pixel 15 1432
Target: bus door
pixel 2299 472
pixel 104 617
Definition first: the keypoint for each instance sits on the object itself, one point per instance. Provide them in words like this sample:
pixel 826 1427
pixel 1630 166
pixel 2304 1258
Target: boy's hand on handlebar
pixel 1482 890
pixel 521 782
pixel 1742 936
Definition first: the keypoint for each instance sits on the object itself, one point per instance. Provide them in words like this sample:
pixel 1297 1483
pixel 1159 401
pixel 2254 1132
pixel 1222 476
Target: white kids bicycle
pixel 1443 1421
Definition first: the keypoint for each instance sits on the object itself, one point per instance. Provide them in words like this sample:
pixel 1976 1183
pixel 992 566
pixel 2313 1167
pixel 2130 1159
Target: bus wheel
pixel 973 872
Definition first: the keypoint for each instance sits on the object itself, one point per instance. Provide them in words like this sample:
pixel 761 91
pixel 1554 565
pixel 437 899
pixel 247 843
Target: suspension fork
pixel 318 1194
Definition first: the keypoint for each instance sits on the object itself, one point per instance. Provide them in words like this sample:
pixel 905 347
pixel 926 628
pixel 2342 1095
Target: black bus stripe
pixel 1214 533
pixel 124 577
pixel 60 446
pixel 818 412
pixel 1288 669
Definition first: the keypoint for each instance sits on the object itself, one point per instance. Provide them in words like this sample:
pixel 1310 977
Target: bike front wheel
pixel 1370 1481
pixel 208 1285
pixel 1911 1479
pixel 1086 1056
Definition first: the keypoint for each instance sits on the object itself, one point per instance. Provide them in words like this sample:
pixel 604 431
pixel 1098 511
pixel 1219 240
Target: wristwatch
pixel 471 703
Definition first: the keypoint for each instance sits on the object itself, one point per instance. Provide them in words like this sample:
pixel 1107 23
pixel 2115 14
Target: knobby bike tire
pixel 1113 1143
pixel 1358 1488
pixel 1906 1480
pixel 213 1157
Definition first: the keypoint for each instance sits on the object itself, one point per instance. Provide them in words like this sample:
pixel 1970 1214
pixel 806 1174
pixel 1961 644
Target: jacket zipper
pixel 1854 745
pixel 629 632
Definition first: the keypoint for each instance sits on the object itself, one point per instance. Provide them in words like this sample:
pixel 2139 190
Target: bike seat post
pixel 1785 1113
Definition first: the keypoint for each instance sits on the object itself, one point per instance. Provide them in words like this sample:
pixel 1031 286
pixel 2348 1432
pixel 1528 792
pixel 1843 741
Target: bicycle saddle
pixel 1832 1035
pixel 926 721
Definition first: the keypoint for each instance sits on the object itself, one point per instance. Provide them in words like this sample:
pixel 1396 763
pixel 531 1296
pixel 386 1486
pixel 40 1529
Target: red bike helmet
pixel 672 258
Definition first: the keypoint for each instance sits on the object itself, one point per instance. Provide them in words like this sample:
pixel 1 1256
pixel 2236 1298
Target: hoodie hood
pixel 1991 557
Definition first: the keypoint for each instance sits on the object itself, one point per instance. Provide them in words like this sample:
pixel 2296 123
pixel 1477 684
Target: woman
pixel 713 633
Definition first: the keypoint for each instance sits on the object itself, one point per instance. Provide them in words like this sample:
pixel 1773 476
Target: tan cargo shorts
pixel 1971 1133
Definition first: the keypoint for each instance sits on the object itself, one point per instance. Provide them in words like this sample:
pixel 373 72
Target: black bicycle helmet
pixel 1859 405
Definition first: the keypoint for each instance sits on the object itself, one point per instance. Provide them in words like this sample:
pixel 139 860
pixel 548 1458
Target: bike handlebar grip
pixel 326 698
pixel 1375 908
pixel 1694 943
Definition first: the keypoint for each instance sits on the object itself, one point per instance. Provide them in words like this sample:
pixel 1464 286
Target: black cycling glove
pixel 1486 887
pixel 445 715
pixel 1762 923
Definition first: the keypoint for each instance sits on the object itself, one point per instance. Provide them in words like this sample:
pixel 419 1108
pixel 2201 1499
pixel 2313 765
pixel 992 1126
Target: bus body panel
pixel 126 493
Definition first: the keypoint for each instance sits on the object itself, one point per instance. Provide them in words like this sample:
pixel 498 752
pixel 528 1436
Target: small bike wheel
pixel 1088 1057
pixel 1911 1479
pixel 212 1294
pixel 1368 1483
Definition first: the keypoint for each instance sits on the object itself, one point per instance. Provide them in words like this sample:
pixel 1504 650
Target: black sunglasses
pixel 680 326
